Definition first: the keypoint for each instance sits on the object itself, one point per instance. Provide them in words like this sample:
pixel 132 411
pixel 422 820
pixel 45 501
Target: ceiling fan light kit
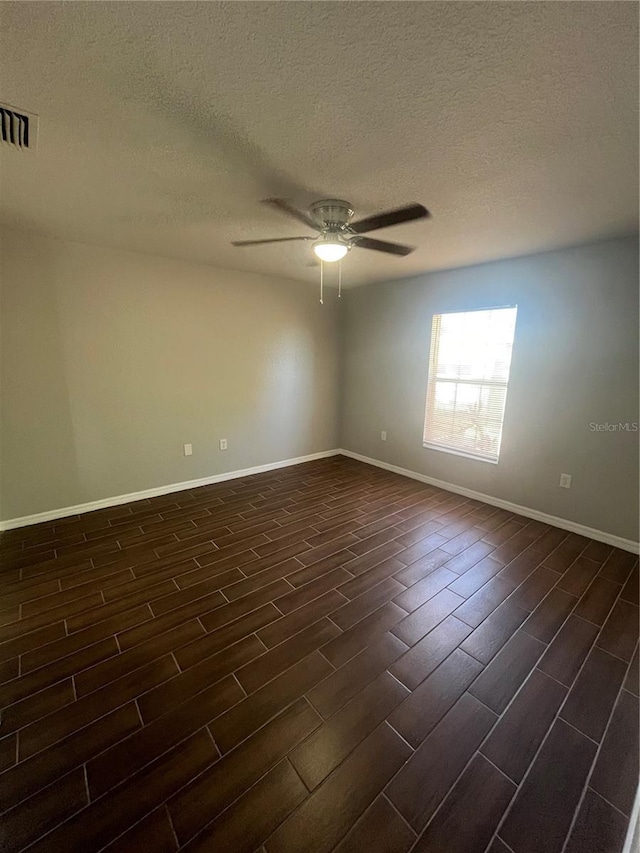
pixel 338 235
pixel 330 249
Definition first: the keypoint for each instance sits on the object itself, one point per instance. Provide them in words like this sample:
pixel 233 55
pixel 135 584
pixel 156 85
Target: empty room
pixel 319 459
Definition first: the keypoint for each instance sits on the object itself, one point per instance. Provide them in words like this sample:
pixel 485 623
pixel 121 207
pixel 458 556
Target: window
pixel 468 375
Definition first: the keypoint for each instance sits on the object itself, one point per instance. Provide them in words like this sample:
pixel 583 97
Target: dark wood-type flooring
pixel 327 657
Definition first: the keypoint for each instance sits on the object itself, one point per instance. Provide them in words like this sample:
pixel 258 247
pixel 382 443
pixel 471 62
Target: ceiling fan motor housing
pixel 331 213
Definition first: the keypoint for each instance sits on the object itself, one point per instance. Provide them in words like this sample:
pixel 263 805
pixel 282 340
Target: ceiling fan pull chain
pixel 321 281
pixel 339 279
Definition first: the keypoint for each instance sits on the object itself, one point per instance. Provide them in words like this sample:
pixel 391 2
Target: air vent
pixel 19 129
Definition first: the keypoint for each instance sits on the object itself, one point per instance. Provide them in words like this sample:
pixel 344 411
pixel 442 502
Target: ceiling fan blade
pixel 274 240
pixel 382 246
pixel 285 206
pixel 390 217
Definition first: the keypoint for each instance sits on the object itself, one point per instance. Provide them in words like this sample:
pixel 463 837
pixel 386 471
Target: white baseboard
pixel 563 523
pixel 63 512
pixel 527 512
pixel 631 844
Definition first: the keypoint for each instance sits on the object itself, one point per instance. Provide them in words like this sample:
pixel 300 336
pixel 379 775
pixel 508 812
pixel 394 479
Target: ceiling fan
pixel 337 234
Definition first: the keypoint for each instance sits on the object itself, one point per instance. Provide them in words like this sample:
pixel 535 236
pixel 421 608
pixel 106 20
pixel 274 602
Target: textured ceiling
pixel 163 124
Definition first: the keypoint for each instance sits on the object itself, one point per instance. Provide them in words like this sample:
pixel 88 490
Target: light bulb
pixel 330 251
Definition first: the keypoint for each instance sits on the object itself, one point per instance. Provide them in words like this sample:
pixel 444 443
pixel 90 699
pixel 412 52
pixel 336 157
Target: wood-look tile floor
pixel 327 657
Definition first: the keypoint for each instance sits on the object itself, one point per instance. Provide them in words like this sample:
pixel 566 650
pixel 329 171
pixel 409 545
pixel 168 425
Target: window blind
pixel 469 362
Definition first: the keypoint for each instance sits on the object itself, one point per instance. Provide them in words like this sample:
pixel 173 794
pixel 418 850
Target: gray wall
pixel 575 361
pixel 111 361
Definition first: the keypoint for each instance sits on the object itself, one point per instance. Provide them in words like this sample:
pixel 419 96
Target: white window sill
pixel 462 453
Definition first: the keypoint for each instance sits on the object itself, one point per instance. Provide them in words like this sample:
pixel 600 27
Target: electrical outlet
pixel 383 435
pixel 223 444
pixel 565 481
pixel 188 450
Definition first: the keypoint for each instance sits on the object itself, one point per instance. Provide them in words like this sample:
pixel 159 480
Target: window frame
pixel 431 387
